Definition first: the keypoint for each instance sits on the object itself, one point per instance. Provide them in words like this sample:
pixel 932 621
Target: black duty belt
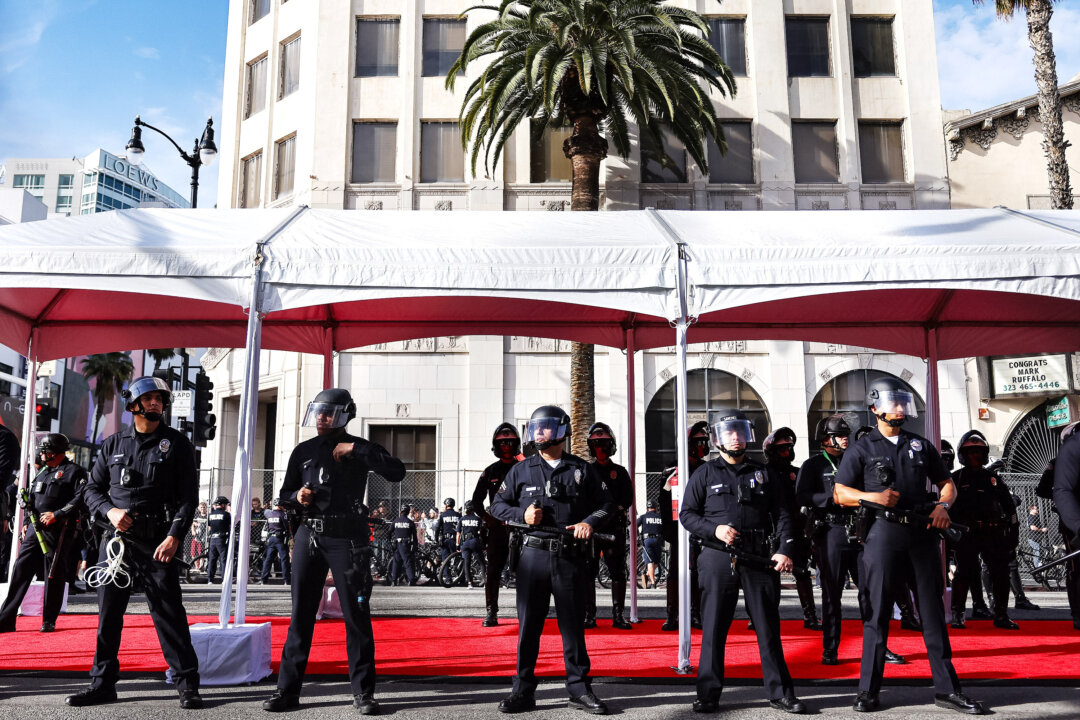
pixel 894 517
pixel 219 535
pixel 344 526
pixel 563 546
pixel 840 518
pixel 650 535
pixel 984 524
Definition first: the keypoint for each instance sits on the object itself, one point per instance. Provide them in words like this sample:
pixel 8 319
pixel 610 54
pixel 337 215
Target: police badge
pixel 164 445
pixel 916 445
pixel 577 476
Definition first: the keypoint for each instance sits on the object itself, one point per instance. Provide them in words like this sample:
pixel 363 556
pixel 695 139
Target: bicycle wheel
pixel 478 571
pixel 603 576
pixel 196 570
pixel 452 571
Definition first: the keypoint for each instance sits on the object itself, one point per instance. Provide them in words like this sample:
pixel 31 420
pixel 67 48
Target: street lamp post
pixel 204 153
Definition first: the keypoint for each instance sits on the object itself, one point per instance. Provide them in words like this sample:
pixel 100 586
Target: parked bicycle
pixel 452 571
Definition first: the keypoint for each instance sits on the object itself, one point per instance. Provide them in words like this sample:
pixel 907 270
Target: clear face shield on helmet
pixel 731 434
pixel 545 431
pixel 896 402
pixel 325 415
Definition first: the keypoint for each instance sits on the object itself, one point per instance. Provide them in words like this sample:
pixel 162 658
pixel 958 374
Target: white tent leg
pixel 631 465
pixel 29 423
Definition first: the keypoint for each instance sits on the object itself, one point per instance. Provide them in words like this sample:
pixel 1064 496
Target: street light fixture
pixel 204 152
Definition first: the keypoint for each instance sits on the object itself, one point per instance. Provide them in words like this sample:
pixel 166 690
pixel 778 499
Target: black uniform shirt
pixel 981 496
pixel 1067 484
pixel 339 486
pixel 447 524
pixel 912 467
pixel 219 521
pixel 470 526
pixel 151 474
pixel 489 483
pixel 814 484
pixel 277 523
pixel 568 493
pixel 711 499
pixel 650 524
pixel 617 481
pixel 58 490
pixel 404 529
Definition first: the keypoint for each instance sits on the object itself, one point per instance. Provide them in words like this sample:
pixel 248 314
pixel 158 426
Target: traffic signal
pixel 46 413
pixel 202 403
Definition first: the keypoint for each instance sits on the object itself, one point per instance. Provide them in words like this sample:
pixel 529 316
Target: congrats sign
pixel 1037 374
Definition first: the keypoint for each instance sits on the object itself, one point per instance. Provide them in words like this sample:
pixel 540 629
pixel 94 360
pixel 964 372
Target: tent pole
pixel 933 396
pixel 684 469
pixel 631 465
pixel 328 360
pixel 29 423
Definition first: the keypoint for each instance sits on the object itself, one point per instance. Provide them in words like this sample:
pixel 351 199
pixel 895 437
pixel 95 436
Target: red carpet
pixel 1040 650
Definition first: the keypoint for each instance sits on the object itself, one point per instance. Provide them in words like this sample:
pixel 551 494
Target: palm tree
pixel 109 371
pixel 161 355
pixel 1042 42
pixel 599 66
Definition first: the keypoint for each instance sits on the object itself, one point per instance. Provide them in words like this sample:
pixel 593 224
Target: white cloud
pixel 147 53
pixel 24 25
pixel 984 61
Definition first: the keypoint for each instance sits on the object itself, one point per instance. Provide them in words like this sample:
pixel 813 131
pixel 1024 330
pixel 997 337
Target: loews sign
pixel 1030 375
pixel 131 172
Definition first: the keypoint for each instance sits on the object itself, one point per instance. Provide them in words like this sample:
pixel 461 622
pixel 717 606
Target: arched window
pixel 706 390
pixel 847 394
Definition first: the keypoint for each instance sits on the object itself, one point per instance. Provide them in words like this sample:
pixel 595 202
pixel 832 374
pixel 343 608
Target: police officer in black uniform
pixel 446 529
pixel 326 479
pixel 55 497
pixel 505 445
pixel 650 531
pixel 403 539
pixel 948 456
pixel 984 504
pixel 144 480
pixel 617 481
pixel 277 542
pixel 898 469
pixel 552 489
pixel 741 503
pixel 10 452
pixel 219 525
pixel 471 539
pixel 1067 504
pixel 779 448
pixel 697 449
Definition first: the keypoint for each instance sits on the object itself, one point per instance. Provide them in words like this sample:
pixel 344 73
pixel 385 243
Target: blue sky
pixel 74 73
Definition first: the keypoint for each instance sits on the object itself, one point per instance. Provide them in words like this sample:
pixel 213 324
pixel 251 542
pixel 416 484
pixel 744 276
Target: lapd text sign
pixel 1031 375
pixel 181 406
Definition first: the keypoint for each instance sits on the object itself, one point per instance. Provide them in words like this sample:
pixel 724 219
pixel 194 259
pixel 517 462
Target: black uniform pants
pixel 720 585
pixel 673 581
pixel 349 561
pixel 614 557
pixel 888 547
pixel 161 583
pixel 402 562
pixel 836 557
pixel 29 562
pixel 989 543
pixel 541 574
pixel 1072 572
pixel 471 547
pixel 219 546
pixel 804 584
pixel 277 550
pixel 447 547
pixel 498 551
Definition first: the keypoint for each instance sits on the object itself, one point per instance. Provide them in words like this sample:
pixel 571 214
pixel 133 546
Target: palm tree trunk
pixel 1054 143
pixel 586 149
pixel 97 422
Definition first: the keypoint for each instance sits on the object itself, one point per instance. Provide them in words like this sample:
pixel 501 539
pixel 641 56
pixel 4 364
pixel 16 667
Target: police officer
pixel 1067 504
pixel 779 448
pixel 144 481
pixel 741 503
pixel 896 468
pixel 9 467
pixel 403 538
pixel 55 498
pixel 948 456
pixel 446 529
pixel 506 446
pixel 470 539
pixel 616 480
pixel 697 449
pixel 552 489
pixel 277 542
pixel 650 530
pixel 326 478
pixel 219 523
pixel 984 504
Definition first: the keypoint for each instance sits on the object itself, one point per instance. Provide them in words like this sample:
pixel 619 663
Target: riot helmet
pixel 698 440
pixel 948 455
pixel 601 438
pixel 833 432
pixel 505 441
pixel 653 504
pixel 276 502
pixel 331 409
pixel 888 396
pixel 549 425
pixel 863 432
pixel 222 501
pixel 470 506
pixel 134 392
pixel 448 502
pixel 779 445
pixel 731 432
pixel 405 510
pixel 54 444
pixel 974 450
pixel 1069 431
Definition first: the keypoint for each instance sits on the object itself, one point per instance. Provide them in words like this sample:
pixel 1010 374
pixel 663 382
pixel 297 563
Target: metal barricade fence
pixel 1040 535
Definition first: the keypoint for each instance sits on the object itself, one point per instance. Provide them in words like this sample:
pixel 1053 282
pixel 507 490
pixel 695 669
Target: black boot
pixel 671 624
pixel 957 620
pixel 492 617
pixel 617 620
pixel 590 620
pixel 810 618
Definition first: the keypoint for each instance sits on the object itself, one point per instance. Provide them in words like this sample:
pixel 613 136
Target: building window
pixel 33 184
pixel 256 87
pixel 251 181
pixel 728 37
pixel 377 47
pixel 547 161
pixel 284 167
pixel 738 165
pixel 374 152
pixel 66 182
pixel 846 395
pixel 415 446
pixel 290 68
pixel 442 159
pixel 656 168
pixel 807 47
pixel 259 10
pixel 443 41
pixel 872 47
pixel 881 151
pixel 816 155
